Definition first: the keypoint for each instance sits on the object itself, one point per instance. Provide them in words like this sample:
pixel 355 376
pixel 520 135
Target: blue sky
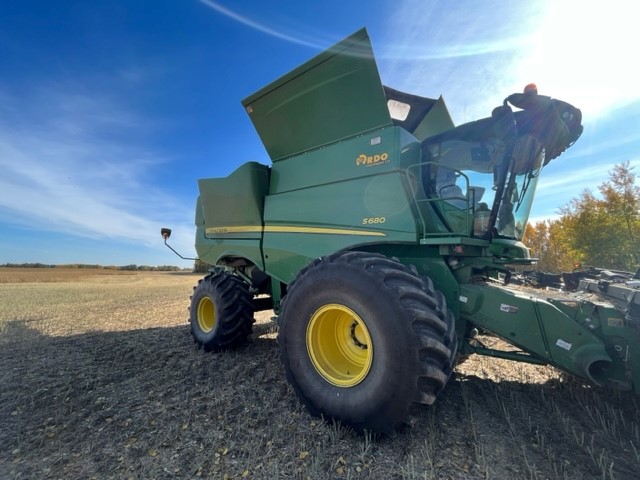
pixel 111 110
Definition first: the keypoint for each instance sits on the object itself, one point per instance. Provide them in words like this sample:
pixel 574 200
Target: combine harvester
pixel 384 238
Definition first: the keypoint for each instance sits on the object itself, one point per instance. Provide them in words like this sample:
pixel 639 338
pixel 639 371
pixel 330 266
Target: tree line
pixel 600 231
pixel 142 268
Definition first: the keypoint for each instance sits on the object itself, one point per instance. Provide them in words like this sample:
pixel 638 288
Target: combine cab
pixel 382 236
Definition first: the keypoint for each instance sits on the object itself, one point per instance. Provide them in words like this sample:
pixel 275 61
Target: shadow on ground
pixel 148 404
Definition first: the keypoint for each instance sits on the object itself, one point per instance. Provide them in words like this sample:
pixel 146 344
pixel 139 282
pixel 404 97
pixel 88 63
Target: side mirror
pixel 166 233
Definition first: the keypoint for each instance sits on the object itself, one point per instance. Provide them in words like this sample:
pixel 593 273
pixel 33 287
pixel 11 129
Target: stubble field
pixel 99 378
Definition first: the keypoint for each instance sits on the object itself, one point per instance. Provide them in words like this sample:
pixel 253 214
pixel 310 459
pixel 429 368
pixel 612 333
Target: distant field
pixel 55 275
pixel 100 379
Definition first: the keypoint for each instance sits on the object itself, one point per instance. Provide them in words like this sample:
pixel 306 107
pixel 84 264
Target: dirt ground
pixel 100 379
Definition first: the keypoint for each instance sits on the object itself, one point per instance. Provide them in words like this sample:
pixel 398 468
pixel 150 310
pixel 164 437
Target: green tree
pixel 622 198
pixel 601 231
pixel 200 267
pixel 537 239
pixel 547 242
pixel 605 231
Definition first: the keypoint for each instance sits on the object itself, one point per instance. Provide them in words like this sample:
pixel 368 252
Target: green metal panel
pixel 333 96
pixel 350 204
pixel 235 201
pixel 352 192
pixel 212 250
pixel 429 262
pixel 303 224
pixel 364 155
pixel 538 327
pixel 571 345
pixel 621 337
pixel 504 312
pixel 199 217
pixel 229 215
pixel 436 121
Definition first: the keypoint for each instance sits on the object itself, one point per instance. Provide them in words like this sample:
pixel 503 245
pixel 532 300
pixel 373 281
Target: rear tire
pixel 221 312
pixel 363 338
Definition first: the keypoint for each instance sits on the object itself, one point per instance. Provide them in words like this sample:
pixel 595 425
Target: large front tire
pixel 363 337
pixel 221 312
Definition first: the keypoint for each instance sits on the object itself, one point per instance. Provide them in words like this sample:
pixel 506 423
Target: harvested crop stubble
pixel 100 378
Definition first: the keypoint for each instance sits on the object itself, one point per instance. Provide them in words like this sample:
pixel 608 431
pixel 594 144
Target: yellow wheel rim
pixel 339 345
pixel 206 315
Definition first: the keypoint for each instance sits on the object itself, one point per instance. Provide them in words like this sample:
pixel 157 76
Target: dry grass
pixel 100 379
pixel 56 275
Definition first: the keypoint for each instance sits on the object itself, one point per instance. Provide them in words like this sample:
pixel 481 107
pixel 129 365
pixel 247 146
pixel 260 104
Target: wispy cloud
pixel 69 164
pixel 430 50
pixel 559 185
pixel 604 143
pixel 577 178
pixel 476 54
pixel 278 31
pixel 463 52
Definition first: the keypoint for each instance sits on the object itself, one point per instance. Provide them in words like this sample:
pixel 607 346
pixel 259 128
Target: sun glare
pixel 582 53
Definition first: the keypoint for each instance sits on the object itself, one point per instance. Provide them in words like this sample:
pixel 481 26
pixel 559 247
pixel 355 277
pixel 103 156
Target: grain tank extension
pixel 383 237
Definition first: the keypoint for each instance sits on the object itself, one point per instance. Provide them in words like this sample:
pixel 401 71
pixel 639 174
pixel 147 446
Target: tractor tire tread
pixel 430 330
pixel 234 312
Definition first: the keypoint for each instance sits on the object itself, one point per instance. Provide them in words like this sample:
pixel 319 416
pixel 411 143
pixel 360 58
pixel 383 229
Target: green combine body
pixel 384 237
